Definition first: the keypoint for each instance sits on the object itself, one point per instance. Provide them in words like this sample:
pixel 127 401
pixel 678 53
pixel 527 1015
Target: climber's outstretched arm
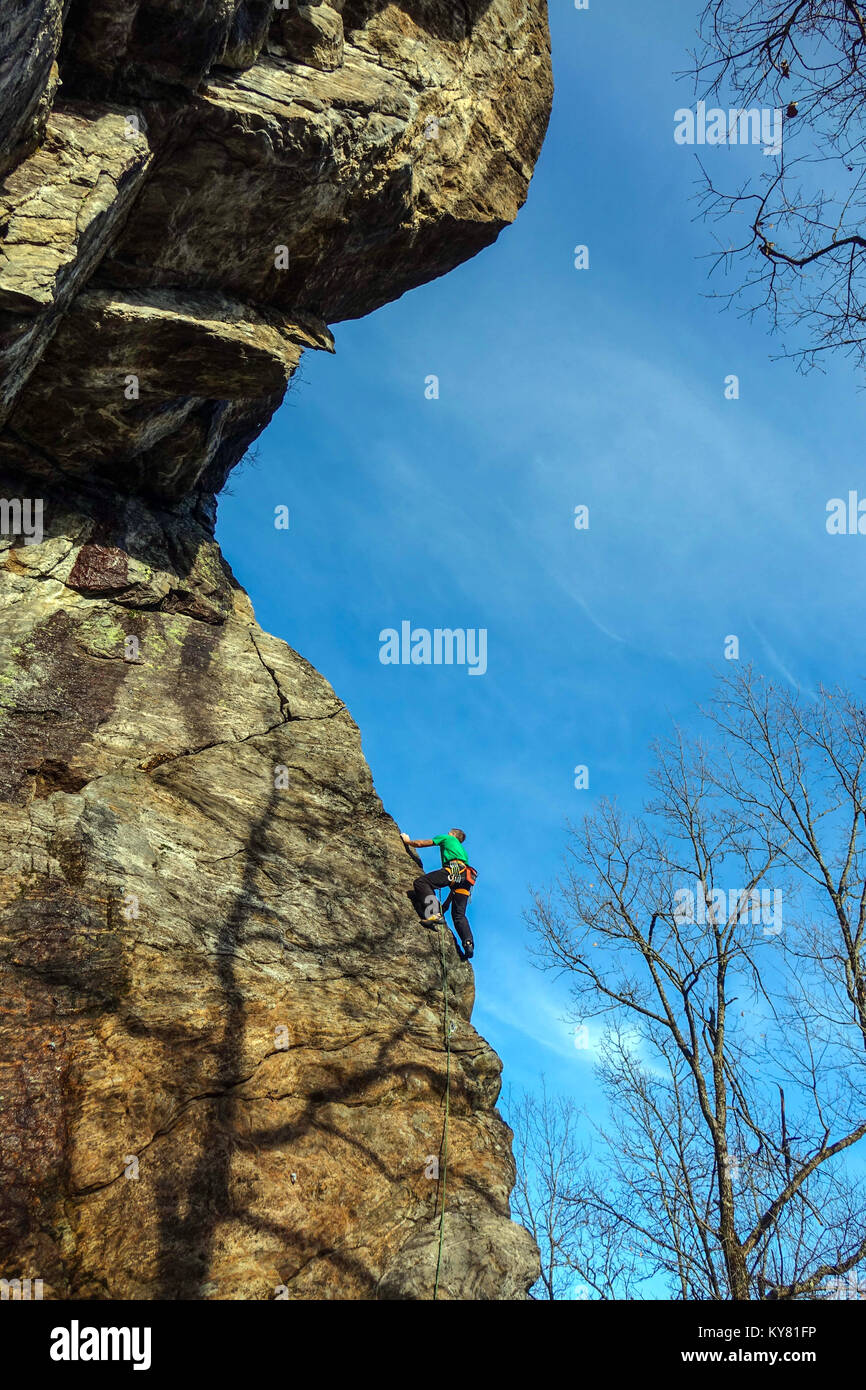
pixel 417 844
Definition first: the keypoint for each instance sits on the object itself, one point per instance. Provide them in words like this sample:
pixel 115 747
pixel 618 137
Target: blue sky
pixel 558 387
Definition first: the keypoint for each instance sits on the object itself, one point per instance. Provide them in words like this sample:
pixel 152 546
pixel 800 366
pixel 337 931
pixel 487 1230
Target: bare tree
pixel 548 1156
pixel 721 933
pixel 794 232
pixel 582 1254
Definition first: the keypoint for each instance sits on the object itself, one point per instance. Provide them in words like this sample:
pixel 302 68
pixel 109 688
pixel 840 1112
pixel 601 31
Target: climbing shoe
pixel 437 921
pixel 468 949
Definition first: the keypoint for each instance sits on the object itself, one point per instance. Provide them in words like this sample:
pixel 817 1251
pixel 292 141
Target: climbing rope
pixel 447 1095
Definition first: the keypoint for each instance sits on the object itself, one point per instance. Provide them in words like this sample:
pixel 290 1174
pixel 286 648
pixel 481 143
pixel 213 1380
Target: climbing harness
pixel 461 873
pixel 448 1030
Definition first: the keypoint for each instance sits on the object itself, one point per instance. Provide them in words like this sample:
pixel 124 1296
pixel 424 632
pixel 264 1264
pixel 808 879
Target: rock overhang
pixel 248 165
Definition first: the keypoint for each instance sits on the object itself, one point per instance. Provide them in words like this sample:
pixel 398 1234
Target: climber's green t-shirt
pixel 450 848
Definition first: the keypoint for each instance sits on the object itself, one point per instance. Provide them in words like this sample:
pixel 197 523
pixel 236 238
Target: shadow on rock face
pixel 142 556
pixel 450 20
pixel 106 42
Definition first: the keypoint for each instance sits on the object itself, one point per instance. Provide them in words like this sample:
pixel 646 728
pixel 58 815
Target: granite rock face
pixel 223 1069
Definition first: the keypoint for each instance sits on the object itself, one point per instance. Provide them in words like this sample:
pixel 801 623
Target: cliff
pixel 222 1071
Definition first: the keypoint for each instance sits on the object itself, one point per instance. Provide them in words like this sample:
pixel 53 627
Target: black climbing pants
pixel 427 904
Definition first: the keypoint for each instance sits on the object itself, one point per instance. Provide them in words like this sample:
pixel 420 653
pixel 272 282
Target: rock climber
pixel 457 874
